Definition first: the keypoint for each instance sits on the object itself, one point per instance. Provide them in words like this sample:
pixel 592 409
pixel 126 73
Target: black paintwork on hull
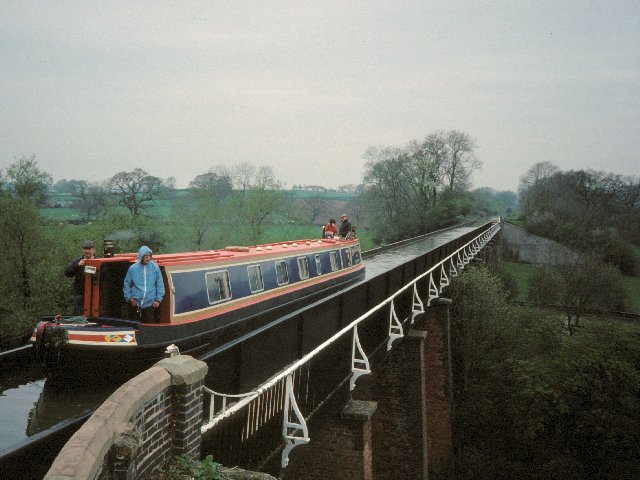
pixel 200 336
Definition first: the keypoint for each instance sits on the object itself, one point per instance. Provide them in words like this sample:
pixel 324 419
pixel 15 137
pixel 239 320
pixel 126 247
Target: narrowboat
pixel 211 297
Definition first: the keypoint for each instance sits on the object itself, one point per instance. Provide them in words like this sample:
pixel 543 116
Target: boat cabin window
pixel 318 264
pixel 355 255
pixel 218 287
pixel 303 268
pixel 333 257
pixel 347 255
pixel 256 283
pixel 282 274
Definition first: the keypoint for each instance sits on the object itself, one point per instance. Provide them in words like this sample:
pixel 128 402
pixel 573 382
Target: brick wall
pixel 399 425
pixel 153 421
pixel 438 384
pixel 412 426
pixel 140 426
pixel 340 446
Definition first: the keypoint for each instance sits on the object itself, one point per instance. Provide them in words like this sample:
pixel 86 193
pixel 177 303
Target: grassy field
pixel 161 210
pixel 522 274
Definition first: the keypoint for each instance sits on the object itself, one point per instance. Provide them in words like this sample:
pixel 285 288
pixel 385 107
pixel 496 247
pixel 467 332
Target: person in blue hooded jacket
pixel 143 287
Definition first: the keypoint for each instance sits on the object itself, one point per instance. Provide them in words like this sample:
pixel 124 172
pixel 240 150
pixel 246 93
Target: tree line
pixel 597 215
pixel 405 191
pixel 222 206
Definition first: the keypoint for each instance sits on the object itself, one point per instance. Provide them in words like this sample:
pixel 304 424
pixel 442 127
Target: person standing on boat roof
pixel 75 270
pixel 330 230
pixel 345 226
pixel 143 287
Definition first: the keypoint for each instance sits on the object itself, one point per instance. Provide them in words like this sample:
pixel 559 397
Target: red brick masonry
pixel 150 418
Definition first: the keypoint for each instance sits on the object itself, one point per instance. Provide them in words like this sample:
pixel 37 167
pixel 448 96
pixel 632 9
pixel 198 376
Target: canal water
pixel 32 402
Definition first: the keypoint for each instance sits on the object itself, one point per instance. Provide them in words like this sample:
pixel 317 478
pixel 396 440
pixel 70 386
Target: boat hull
pixel 125 344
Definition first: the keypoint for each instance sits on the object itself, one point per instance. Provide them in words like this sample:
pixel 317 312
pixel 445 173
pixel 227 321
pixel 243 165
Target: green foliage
pixel 208 469
pixel 593 212
pixel 579 286
pixel 412 190
pixel 632 289
pixel 520 273
pixel 487 201
pixel 508 280
pixel 28 284
pixel 27 181
pixel 545 287
pixel 534 403
pixel 184 468
pixel 612 249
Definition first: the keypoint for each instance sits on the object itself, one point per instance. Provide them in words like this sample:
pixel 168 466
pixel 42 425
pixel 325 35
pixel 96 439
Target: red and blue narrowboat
pixel 211 297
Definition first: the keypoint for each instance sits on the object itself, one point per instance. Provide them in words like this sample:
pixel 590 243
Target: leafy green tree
pixel 65 186
pixel 214 185
pixel 27 181
pixel 23 279
pixel 490 202
pixel 195 220
pixel 408 191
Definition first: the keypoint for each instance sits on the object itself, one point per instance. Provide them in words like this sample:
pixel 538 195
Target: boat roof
pixel 271 249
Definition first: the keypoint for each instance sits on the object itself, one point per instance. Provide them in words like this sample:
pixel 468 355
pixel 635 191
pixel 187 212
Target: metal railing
pixel 278 404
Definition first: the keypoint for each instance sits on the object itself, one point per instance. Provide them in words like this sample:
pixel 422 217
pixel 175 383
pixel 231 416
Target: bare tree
pixel 170 183
pixel 356 207
pixel 135 189
pixel 536 173
pixel 94 198
pixel 316 205
pixel 461 161
pixel 258 197
pixel 243 175
pixel 405 187
pixel 203 210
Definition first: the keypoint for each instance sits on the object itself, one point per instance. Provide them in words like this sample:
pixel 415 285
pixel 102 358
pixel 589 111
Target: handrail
pixel 458 259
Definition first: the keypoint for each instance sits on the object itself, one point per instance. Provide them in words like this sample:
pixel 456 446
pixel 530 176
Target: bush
pixel 534 403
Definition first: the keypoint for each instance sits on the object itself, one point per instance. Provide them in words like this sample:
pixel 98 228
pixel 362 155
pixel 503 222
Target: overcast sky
pixel 94 88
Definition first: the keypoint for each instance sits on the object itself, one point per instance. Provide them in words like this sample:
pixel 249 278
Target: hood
pixel 143 251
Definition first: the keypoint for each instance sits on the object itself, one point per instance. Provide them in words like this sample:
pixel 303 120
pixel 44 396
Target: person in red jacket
pixel 330 230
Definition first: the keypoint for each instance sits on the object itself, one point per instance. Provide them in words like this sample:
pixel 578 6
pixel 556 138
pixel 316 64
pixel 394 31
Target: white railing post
pixel 444 279
pixel 452 270
pixel 395 327
pixel 433 290
pixel 291 428
pixel 358 362
pixel 417 307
